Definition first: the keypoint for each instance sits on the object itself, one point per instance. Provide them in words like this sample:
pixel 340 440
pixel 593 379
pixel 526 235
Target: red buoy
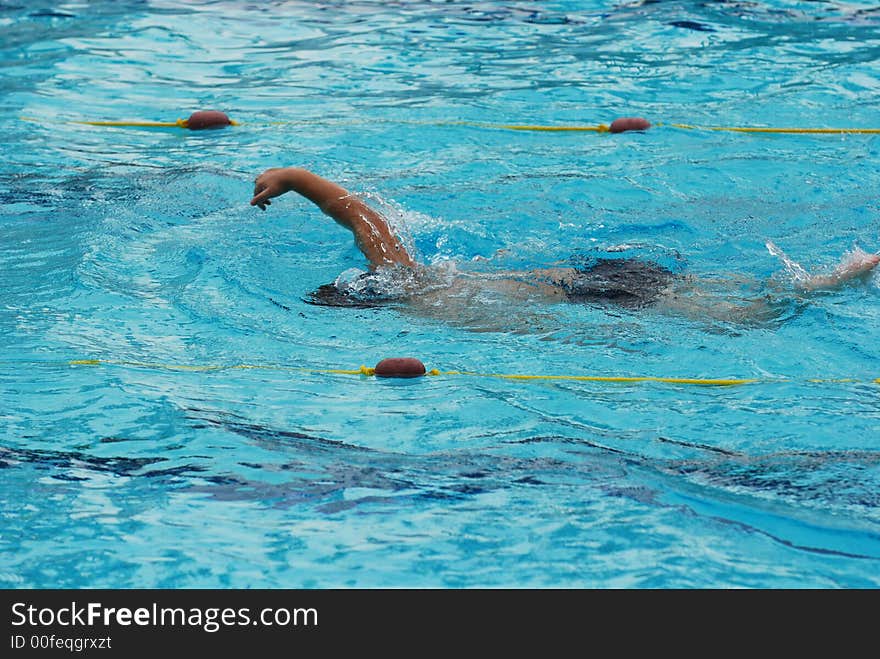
pixel 207 119
pixel 400 367
pixel 629 123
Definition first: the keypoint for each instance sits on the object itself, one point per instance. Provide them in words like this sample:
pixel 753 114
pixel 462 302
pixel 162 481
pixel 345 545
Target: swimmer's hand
pixel 271 183
pixel 854 264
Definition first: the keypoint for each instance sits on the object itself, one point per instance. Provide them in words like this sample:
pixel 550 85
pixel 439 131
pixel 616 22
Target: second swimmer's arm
pixel 371 231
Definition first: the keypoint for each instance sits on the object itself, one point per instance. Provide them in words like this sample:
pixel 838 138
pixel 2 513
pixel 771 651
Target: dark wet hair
pixel 330 295
pixel 628 283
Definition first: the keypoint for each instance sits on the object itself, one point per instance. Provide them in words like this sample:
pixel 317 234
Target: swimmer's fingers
pixel 262 194
pixel 271 183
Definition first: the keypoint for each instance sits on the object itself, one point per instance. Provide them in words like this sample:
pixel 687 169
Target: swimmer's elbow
pixel 810 285
pixel 339 208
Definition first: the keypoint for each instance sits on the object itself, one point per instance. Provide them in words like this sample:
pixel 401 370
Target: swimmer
pixel 625 283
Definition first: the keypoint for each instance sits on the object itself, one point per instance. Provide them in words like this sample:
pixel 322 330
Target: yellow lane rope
pixel 180 123
pixel 759 129
pixel 183 123
pixel 368 371
pixel 716 382
pixel 600 128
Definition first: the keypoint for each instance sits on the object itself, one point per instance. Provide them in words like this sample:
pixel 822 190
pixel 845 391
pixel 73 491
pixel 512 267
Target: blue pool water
pixel 137 247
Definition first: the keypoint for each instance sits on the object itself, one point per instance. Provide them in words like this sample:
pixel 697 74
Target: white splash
pixel 795 269
pixel 856 261
pixel 854 264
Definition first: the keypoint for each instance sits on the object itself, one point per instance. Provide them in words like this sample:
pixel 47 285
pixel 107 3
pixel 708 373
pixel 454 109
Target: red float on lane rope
pixel 207 119
pixel 399 367
pixel 629 123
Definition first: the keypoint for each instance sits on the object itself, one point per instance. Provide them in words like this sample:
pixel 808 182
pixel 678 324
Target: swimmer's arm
pixel 853 265
pixel 371 232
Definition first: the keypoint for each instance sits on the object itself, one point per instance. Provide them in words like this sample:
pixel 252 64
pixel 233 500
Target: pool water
pixel 137 248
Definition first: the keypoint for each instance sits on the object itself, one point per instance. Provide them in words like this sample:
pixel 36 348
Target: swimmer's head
pixel 330 295
pixel 366 290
